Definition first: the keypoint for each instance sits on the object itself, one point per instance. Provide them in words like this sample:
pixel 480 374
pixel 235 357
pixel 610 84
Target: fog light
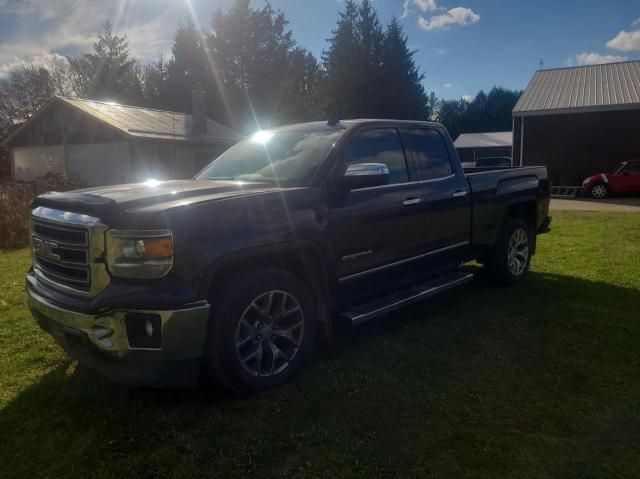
pixel 148 327
pixel 144 330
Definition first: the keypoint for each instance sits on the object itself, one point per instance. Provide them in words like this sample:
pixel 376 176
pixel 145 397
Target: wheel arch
pixel 526 209
pixel 305 259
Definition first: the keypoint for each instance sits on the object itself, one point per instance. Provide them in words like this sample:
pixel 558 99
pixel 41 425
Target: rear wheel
pixel 511 258
pixel 261 332
pixel 599 191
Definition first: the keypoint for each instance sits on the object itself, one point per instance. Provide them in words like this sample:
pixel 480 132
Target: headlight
pixel 139 254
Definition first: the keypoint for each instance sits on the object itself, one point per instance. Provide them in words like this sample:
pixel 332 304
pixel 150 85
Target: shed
pixel 106 143
pixel 473 146
pixel 579 121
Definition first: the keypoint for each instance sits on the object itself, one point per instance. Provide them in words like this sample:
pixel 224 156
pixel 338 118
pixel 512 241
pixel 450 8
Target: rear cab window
pixel 429 152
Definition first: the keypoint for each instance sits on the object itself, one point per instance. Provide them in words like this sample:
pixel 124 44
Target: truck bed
pixel 495 189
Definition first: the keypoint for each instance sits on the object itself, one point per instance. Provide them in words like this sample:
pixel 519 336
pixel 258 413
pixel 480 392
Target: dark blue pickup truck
pixel 231 275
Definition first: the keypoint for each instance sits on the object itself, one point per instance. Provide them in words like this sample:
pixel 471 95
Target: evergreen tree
pixel 266 78
pixel 188 68
pixel 339 85
pixel 485 113
pixel 404 95
pixel 370 72
pixel 109 72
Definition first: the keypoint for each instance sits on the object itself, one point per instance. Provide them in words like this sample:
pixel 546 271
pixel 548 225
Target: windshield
pixel 286 157
pixel 620 167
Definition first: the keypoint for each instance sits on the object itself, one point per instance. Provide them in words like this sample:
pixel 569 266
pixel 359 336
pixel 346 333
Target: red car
pixel 624 179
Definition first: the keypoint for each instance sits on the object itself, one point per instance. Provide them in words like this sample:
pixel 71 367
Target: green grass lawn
pixel 540 380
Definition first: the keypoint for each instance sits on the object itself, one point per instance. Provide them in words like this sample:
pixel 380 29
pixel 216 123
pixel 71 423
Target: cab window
pixel 381 145
pixel 429 151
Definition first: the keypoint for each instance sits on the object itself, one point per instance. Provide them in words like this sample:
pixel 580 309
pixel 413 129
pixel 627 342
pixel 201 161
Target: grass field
pixel 540 380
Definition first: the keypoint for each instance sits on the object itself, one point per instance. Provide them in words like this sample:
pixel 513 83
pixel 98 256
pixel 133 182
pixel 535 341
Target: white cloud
pixel 467 98
pixel 448 85
pixel 636 22
pixel 592 58
pixel 454 16
pixel 626 41
pixel 442 51
pixel 422 5
pixel 71 27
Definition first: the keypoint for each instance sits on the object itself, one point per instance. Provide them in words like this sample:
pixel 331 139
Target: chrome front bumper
pixel 101 342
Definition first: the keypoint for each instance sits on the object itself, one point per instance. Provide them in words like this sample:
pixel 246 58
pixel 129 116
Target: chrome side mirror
pixel 364 175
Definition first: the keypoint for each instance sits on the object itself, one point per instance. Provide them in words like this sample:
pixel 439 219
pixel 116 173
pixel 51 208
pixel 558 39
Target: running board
pixel 365 312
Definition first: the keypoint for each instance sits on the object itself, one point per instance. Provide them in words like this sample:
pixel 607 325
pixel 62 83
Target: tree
pixel 404 95
pixel 370 72
pixel 29 88
pixel 155 87
pixel 266 78
pixel 452 114
pixel 485 113
pixel 340 85
pixel 188 68
pixel 108 73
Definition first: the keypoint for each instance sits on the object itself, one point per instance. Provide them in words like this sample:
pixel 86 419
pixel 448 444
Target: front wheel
pixel 262 330
pixel 512 255
pixel 599 191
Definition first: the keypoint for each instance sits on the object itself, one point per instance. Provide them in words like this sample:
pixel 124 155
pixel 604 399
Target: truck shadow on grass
pixel 536 380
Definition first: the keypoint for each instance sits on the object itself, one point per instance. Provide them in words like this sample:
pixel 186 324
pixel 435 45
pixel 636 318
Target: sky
pixel 462 46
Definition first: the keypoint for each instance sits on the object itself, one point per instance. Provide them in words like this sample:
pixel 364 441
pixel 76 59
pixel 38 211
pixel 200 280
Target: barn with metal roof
pixel 579 121
pixel 107 143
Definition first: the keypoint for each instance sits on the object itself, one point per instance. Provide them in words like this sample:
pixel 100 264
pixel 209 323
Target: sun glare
pixel 262 136
pixel 151 182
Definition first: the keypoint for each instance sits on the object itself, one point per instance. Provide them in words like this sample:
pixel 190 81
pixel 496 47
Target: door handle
pixel 411 201
pixel 461 193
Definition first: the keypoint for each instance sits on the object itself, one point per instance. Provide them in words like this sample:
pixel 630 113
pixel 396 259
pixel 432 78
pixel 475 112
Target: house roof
pixel 498 139
pixel 141 122
pixel 612 86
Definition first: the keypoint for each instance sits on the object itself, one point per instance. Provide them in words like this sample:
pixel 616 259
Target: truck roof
pixel 341 124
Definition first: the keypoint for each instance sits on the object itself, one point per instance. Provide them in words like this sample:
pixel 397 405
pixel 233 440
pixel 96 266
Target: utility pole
pixel 541 63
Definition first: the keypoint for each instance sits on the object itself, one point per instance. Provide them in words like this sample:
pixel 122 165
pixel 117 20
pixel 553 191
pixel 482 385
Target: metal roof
pixel 149 123
pixel 498 139
pixel 612 86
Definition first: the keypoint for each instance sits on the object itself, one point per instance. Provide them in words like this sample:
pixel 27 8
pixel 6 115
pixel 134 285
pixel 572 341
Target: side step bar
pixel 361 313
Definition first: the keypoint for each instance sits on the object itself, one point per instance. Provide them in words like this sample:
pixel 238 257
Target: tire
pixel 261 332
pixel 599 191
pixel 511 258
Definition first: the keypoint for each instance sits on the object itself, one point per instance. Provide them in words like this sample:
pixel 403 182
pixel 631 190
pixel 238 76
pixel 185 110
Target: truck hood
pixel 151 195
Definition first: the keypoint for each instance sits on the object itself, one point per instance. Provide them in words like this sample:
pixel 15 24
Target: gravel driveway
pixel 625 205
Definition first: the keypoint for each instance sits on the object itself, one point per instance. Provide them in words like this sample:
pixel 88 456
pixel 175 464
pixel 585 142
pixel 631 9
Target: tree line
pixel 256 75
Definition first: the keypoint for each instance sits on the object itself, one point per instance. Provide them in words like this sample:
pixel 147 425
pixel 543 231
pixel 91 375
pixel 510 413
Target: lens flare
pixel 262 136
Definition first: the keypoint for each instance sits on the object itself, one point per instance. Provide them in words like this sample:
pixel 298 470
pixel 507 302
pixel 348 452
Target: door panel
pixel 447 217
pixel 376 226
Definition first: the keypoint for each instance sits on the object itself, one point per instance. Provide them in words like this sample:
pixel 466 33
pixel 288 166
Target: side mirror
pixel 364 175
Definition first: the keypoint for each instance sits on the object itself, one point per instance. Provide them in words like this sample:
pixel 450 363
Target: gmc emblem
pixel 45 249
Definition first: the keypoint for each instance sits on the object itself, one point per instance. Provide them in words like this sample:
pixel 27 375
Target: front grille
pixel 61 253
pixel 68 251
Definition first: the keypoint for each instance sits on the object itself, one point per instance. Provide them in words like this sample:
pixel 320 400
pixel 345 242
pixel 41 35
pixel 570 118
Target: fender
pixel 309 252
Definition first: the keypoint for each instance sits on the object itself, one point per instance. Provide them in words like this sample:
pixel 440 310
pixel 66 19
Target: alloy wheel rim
pixel 599 191
pixel 518 252
pixel 269 333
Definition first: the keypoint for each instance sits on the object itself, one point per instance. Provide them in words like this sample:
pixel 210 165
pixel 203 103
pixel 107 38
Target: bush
pixel 15 202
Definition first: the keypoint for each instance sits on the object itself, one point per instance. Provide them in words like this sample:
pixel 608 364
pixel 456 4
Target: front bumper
pixel 102 342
